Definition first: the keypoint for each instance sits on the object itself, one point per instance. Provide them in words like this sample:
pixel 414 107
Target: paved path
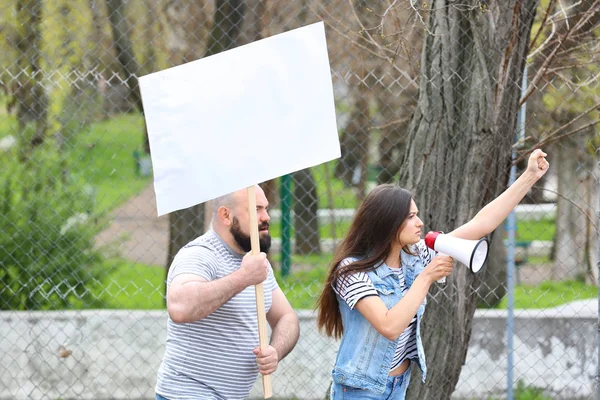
pixel 136 233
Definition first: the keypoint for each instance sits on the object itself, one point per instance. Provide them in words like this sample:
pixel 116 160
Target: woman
pixel 375 294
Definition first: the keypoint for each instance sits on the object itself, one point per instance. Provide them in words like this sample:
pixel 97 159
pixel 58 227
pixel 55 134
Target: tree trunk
pixel 458 152
pixel 493 278
pixel 574 169
pixel 187 29
pixel 121 31
pixel 306 219
pixel 593 224
pixel 30 97
pixel 149 63
pixel 224 33
pixel 351 167
pixel 184 226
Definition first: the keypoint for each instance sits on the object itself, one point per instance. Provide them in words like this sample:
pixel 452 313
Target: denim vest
pixel 365 356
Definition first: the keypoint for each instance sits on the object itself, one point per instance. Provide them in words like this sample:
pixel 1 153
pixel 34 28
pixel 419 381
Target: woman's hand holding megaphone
pixel 439 268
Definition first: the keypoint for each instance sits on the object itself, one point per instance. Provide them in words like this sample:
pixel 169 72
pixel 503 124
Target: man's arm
pixel 285 332
pixel 191 297
pixel 284 324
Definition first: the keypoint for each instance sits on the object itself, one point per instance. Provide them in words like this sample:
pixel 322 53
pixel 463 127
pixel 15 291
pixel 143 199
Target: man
pixel 212 347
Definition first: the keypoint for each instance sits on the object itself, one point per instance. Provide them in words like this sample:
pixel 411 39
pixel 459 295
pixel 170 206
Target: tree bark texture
pixel 121 31
pixel 571 243
pixel 354 143
pixel 184 226
pixel 306 207
pixel 225 30
pixel 187 28
pixel 29 96
pixel 493 288
pixel 458 152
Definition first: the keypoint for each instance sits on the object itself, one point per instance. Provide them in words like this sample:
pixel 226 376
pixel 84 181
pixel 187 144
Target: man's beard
pixel 243 240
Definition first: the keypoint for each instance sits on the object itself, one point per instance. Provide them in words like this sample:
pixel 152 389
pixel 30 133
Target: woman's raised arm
pixel 492 215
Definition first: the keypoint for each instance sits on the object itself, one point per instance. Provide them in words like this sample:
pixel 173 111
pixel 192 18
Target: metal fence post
pixel 510 255
pixel 286 224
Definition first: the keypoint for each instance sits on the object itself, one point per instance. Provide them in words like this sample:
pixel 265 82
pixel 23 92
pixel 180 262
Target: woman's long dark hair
pixel 373 231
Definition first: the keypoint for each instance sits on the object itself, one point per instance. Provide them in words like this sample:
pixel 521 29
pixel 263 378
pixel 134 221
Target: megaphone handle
pixel 443 280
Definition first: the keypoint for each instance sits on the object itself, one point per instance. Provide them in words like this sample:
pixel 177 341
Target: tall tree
pixel 567 58
pixel 121 31
pixel 458 151
pixel 29 97
pixel 306 219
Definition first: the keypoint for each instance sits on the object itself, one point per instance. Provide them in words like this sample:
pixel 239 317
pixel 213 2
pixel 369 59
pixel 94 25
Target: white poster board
pixel 241 117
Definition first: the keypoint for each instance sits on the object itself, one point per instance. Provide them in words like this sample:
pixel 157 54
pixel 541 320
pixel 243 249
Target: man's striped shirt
pixel 212 358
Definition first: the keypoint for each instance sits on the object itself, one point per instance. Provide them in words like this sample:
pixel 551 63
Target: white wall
pixel 115 354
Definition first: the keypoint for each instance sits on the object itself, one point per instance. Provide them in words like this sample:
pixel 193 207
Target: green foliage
pixel 47 259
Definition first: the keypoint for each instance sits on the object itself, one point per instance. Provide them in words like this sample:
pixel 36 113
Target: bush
pixel 47 259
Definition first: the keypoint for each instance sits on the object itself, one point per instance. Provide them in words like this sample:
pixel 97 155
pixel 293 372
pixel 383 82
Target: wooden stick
pixel 259 289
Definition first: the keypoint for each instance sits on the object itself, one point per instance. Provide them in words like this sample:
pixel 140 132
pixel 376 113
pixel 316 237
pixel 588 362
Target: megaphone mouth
pixel 479 256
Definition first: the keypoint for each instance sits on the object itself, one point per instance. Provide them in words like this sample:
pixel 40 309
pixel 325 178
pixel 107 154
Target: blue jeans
pixel 159 397
pixel 394 390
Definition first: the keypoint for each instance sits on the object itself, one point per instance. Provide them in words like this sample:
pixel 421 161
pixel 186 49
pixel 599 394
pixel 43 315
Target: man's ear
pixel 225 215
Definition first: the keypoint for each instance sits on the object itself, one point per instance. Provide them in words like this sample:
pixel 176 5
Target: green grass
pixel 137 286
pixel 303 286
pixel 102 156
pixel 341 196
pixel 325 230
pixel 536 230
pixel 132 286
pixel 524 392
pixel 550 294
pixel 527 230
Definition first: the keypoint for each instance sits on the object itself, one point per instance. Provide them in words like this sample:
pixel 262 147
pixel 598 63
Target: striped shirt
pixel 212 358
pixel 358 285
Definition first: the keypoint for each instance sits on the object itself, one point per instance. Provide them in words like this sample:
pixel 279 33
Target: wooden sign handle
pixel 263 335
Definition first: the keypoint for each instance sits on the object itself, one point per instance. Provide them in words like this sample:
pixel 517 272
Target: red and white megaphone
pixel 472 253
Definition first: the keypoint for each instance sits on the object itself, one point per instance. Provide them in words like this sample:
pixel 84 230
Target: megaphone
pixel 472 253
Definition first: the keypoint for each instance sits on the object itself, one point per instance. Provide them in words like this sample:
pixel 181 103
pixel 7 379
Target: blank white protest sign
pixel 240 117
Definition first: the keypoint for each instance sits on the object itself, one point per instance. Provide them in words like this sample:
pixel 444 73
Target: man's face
pixel 240 223
pixel 243 239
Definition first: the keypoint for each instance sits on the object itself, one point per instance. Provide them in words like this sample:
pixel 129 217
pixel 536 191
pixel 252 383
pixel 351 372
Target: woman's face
pixel 410 231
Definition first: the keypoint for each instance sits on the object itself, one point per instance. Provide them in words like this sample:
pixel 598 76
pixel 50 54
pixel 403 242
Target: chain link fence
pixel 429 95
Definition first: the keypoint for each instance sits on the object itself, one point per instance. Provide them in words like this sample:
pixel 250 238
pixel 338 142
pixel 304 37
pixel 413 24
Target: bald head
pixel 233 200
pixel 229 200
